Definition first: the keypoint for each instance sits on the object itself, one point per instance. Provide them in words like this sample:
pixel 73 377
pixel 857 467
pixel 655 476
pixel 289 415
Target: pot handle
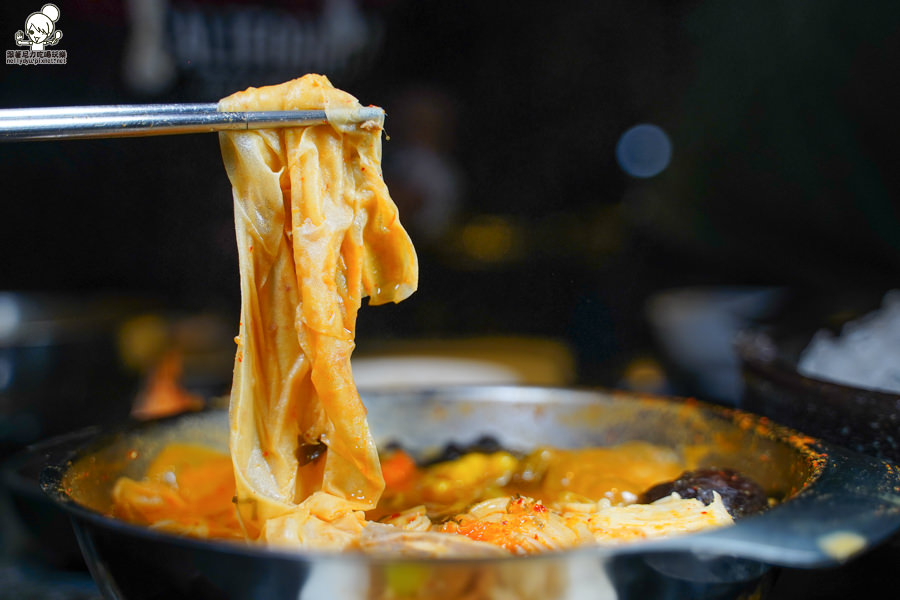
pixel 25 468
pixel 852 507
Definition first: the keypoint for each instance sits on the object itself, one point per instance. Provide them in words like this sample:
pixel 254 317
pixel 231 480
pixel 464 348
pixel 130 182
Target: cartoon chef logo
pixel 40 29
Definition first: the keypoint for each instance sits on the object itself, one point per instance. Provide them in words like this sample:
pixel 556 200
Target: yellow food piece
pixel 452 481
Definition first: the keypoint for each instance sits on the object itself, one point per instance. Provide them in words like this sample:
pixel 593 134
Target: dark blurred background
pixel 770 163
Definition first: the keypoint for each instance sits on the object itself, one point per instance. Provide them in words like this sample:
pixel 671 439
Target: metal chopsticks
pixel 132 120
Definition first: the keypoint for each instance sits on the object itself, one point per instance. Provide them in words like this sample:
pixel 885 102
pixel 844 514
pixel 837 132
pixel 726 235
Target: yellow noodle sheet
pixel 316 232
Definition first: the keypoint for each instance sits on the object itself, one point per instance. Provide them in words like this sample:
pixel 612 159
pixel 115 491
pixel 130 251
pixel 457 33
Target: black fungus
pixel 310 453
pixel 485 444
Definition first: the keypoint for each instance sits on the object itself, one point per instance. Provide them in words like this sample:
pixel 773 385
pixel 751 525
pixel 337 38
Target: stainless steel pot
pixel 835 505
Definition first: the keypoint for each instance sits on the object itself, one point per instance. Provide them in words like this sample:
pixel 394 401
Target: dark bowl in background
pixel 60 364
pixel 828 492
pixel 863 420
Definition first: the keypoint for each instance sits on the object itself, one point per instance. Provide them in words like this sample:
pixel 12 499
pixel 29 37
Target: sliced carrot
pixel 398 469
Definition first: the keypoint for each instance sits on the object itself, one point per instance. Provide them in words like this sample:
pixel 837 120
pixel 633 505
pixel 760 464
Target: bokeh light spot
pixel 644 150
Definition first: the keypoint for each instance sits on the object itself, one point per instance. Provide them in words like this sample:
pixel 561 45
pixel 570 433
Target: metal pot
pixel 836 504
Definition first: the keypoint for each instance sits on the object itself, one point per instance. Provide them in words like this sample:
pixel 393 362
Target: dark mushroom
pixel 741 495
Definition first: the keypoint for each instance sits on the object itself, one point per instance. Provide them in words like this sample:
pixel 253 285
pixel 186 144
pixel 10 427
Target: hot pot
pixel 834 505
